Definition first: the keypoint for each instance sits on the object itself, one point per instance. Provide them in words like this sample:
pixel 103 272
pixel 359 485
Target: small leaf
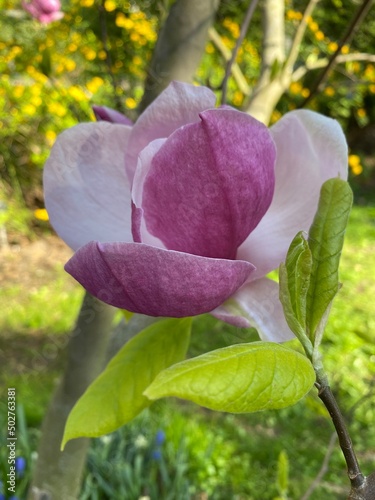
pixel 241 378
pixel 294 279
pixel 326 238
pixel 116 396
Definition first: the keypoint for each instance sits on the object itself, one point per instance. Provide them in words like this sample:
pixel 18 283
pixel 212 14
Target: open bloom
pixel 45 11
pixel 187 210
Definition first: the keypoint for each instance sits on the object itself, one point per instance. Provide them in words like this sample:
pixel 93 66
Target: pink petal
pixel 257 305
pixel 179 104
pixel 102 113
pixel 209 184
pixel 310 150
pixel 86 189
pixel 153 281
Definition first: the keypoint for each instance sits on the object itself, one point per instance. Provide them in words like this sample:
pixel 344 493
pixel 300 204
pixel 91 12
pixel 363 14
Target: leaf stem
pixel 325 394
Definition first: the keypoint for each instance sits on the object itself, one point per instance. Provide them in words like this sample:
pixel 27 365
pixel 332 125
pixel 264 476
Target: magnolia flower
pixel 187 210
pixel 45 11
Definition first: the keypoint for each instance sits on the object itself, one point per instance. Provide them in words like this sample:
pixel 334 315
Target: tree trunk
pixel 180 46
pixel 58 474
pixel 273 81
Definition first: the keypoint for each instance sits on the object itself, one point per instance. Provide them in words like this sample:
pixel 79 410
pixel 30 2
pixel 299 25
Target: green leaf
pixel 326 238
pixel 294 279
pixel 116 396
pixel 241 378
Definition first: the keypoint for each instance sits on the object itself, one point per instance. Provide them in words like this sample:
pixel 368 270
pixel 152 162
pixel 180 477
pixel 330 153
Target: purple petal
pixel 310 150
pixel 209 184
pixel 86 190
pixel 179 104
pixel 153 281
pixel 102 113
pixel 257 305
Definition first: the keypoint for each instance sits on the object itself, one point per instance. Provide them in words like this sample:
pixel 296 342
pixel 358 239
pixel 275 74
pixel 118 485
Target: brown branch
pixel 346 38
pixel 226 53
pixel 244 28
pixel 321 63
pixel 354 473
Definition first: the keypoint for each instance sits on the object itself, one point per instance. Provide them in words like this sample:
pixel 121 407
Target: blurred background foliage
pixel 98 53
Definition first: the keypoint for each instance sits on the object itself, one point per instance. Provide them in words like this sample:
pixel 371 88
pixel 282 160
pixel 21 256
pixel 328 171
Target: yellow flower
pixel 295 88
pixel 36 101
pixel 102 55
pixel 29 109
pixel 345 49
pixel 57 109
pixel 293 15
pixel 70 65
pixel 77 94
pixel 332 46
pixel 276 115
pixel 18 91
pixel 94 84
pixel 41 214
pixel 87 3
pixel 372 89
pixel 329 91
pixel 305 92
pixel 50 136
pixel 124 22
pixel 130 103
pixel 110 5
pixel 137 60
pixel 319 35
pixel 237 98
pixel 210 49
pixel 72 47
pixel 361 112
pixel 90 54
pixel 355 164
pixel 314 26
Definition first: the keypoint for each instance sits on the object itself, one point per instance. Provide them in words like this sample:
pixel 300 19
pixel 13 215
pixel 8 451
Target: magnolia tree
pixel 185 212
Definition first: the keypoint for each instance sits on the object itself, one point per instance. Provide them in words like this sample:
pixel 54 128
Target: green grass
pixel 226 456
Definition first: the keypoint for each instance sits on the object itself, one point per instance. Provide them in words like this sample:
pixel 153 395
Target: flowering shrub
pixel 206 206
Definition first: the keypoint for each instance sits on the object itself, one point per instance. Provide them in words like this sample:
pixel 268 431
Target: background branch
pixel 346 38
pixel 244 28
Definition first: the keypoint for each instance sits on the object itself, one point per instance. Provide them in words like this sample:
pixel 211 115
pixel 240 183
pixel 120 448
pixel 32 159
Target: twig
pixel 292 57
pixel 321 63
pixel 323 469
pixel 325 394
pixel 226 53
pixel 349 33
pixel 244 27
pixel 108 57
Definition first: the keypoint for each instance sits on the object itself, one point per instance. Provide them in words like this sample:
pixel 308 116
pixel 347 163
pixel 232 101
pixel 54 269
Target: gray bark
pixel 58 474
pixel 180 45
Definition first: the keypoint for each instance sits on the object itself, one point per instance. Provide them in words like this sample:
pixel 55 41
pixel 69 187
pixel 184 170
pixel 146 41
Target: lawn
pixel 202 454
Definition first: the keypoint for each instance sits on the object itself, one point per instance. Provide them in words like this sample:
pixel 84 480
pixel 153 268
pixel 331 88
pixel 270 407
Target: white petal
pixel 86 190
pixel 257 304
pixel 143 168
pixel 311 149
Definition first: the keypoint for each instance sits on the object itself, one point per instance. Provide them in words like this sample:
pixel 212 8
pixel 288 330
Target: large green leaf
pixel 294 284
pixel 326 238
pixel 116 396
pixel 239 379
